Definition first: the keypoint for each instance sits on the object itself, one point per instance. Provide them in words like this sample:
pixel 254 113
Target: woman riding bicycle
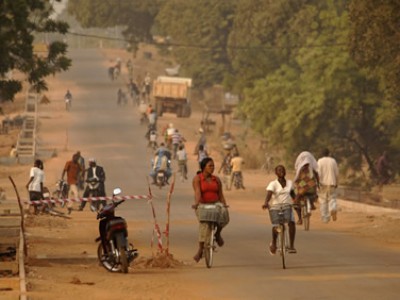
pixel 281 192
pixel 306 181
pixel 208 190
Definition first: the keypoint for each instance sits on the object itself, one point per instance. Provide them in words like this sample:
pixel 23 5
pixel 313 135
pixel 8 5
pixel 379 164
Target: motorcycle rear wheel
pixel 122 253
pixel 109 264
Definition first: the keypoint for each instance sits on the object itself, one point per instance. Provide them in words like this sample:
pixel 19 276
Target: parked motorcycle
pixel 113 237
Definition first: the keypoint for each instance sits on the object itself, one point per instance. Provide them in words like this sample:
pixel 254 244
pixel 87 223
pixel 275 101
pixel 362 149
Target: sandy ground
pixel 63 276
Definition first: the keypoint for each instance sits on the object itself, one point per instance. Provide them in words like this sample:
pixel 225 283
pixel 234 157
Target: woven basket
pixel 213 213
pixel 209 212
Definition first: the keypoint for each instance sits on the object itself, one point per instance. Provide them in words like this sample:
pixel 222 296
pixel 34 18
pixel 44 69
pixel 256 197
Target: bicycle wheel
pixel 209 245
pixel 282 244
pixel 306 217
pixel 182 171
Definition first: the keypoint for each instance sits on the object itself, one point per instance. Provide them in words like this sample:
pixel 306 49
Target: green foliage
pixel 137 16
pixel 19 21
pixel 374 41
pixel 311 74
pixel 198 32
pixel 319 98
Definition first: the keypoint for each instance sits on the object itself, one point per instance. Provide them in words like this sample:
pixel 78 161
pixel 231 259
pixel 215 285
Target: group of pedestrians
pixel 76 174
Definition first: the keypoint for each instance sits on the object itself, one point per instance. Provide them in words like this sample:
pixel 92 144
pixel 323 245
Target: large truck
pixel 172 94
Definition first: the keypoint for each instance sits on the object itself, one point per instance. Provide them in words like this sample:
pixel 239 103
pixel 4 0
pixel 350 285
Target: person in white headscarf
pixel 306 180
pixel 304 158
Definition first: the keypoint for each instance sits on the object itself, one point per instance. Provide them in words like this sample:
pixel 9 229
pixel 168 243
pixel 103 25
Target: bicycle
pixel 182 171
pixel 305 207
pixel 282 217
pixel 210 244
pixel 210 214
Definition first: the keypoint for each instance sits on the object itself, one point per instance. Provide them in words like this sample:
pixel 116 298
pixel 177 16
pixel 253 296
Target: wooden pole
pixel 171 190
pixel 156 226
pixel 21 210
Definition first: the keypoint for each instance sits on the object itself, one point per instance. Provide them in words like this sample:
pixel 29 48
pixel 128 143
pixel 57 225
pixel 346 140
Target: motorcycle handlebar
pixel 118 202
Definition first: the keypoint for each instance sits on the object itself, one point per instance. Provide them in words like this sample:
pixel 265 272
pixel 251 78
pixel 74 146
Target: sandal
pixel 219 240
pixel 272 249
pixel 292 250
pixel 197 257
pixel 300 222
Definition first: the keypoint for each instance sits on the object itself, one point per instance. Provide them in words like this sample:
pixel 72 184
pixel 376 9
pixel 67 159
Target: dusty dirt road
pixel 354 258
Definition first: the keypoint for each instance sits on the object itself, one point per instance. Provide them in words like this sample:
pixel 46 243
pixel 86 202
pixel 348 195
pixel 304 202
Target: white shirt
pixel 152 118
pixel 142 108
pixel 38 177
pixel 94 173
pixel 280 195
pixel 181 154
pixel 153 137
pixel 328 171
pixel 170 131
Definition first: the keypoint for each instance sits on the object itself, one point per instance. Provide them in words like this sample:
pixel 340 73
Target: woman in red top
pixel 207 189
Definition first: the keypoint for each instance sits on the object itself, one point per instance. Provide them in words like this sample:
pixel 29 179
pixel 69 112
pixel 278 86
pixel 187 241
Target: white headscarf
pixel 304 158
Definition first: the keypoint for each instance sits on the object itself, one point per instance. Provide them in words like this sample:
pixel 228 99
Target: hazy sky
pixel 59 6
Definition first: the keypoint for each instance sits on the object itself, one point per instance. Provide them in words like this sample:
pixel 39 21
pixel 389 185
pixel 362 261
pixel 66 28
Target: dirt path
pixel 62 258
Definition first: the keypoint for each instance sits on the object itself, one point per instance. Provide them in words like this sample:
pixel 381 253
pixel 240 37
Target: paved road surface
pixel 328 265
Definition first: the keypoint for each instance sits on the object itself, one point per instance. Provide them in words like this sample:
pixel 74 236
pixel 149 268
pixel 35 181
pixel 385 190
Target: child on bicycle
pixel 280 193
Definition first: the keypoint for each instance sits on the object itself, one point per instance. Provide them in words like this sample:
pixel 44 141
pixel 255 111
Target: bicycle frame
pixel 305 207
pixel 210 244
pixel 283 236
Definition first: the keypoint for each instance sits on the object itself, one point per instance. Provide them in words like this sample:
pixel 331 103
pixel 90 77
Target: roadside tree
pixel 20 22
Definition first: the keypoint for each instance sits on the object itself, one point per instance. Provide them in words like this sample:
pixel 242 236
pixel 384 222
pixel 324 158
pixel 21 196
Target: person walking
pixel 95 172
pixel 181 156
pixel 201 154
pixel 280 192
pixel 328 172
pixel 208 189
pixel 226 169
pixel 176 140
pixel 72 168
pixel 35 183
pixel 81 162
pixel 147 86
pixel 68 100
pixel 237 175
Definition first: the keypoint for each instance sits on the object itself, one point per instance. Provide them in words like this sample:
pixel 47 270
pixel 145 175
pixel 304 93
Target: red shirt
pixel 209 189
pixel 72 170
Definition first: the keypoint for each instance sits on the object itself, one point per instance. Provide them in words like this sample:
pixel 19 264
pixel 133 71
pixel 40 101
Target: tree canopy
pixel 311 74
pixel 20 20
pixel 136 16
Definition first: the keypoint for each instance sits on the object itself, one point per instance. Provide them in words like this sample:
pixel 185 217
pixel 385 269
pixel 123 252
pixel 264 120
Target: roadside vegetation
pixel 310 74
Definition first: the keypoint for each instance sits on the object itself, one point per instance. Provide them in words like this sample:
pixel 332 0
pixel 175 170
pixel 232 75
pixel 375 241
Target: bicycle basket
pixel 209 212
pixel 276 217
